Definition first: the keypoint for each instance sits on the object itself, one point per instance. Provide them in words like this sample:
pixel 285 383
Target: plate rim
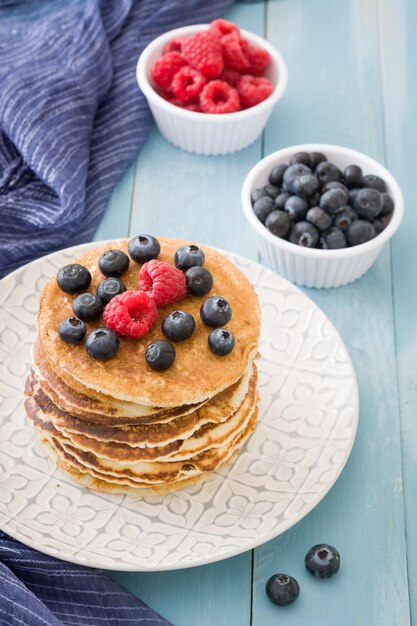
pixel 130 567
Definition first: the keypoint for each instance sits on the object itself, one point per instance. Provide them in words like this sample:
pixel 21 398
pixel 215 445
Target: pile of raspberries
pixel 214 71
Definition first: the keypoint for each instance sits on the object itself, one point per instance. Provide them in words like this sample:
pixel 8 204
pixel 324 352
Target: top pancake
pixel 196 375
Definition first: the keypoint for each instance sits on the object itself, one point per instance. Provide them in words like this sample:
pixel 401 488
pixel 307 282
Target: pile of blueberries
pixel 321 561
pixel 103 343
pixel 311 203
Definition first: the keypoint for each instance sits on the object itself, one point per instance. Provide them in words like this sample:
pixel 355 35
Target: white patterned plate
pixel 307 425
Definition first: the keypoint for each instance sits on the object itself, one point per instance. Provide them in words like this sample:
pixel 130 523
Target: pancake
pixel 205 437
pixel 102 409
pixel 196 375
pixel 216 411
pixel 100 481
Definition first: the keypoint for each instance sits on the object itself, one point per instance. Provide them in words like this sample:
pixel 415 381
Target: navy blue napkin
pixel 37 590
pixel 72 118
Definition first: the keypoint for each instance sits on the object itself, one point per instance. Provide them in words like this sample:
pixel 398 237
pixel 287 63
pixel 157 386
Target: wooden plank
pixel 198 198
pixel 398 49
pixel 116 220
pixel 334 96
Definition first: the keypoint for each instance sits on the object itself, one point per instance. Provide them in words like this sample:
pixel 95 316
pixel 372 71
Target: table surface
pixel 350 83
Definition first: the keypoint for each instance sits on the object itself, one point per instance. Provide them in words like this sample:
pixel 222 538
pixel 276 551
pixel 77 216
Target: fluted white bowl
pixel 314 267
pixel 205 133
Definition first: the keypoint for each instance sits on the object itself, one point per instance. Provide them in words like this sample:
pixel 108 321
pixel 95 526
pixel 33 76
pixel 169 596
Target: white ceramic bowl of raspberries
pixel 200 101
pixel 330 218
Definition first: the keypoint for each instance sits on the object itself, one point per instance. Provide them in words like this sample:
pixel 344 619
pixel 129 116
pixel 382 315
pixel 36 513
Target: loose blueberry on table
pixel 311 203
pixel 282 589
pixel 322 560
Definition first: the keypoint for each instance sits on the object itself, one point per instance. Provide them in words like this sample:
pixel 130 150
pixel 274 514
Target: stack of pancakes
pixel 116 425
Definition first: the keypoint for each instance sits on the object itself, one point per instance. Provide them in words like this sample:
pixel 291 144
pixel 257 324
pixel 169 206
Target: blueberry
pixel 353 193
pixel 178 326
pixel 296 207
pixel 333 239
pixel 316 158
pixel 292 172
pixel 87 307
pixel 353 176
pixel 215 311
pixel 368 203
pixel 72 330
pixel 326 172
pixel 109 288
pixel 278 223
pixel 385 219
pixel 374 182
pixel 144 248
pixel 335 184
pixel 113 263
pixel 315 199
pixel 301 157
pixel 199 281
pixel 322 561
pixel 306 185
pixel 102 343
pixel 378 225
pixel 282 589
pixel 73 278
pixel 304 234
pixel 221 341
pixel 343 217
pixel 319 218
pixel 276 174
pixel 281 199
pixel 359 232
pixel 263 207
pixel 256 193
pixel 333 199
pixel 189 256
pixel 160 355
pixel 387 205
pixel 271 190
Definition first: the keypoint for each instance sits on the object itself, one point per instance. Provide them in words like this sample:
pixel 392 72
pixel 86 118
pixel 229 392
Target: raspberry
pixel 187 84
pixel 130 314
pixel 162 282
pixel 222 27
pixel 165 68
pixel 234 56
pixel 204 53
pixel 230 76
pixel 253 90
pixel 175 45
pixel 194 106
pixel 219 97
pixel 259 60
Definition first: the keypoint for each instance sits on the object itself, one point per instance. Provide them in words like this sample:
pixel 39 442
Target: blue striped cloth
pixel 72 119
pixel 37 590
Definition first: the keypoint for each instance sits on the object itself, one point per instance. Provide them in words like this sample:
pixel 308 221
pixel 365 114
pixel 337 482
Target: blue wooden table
pixel 352 82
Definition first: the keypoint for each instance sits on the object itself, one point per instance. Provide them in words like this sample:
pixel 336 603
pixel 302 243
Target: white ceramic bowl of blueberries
pixel 321 213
